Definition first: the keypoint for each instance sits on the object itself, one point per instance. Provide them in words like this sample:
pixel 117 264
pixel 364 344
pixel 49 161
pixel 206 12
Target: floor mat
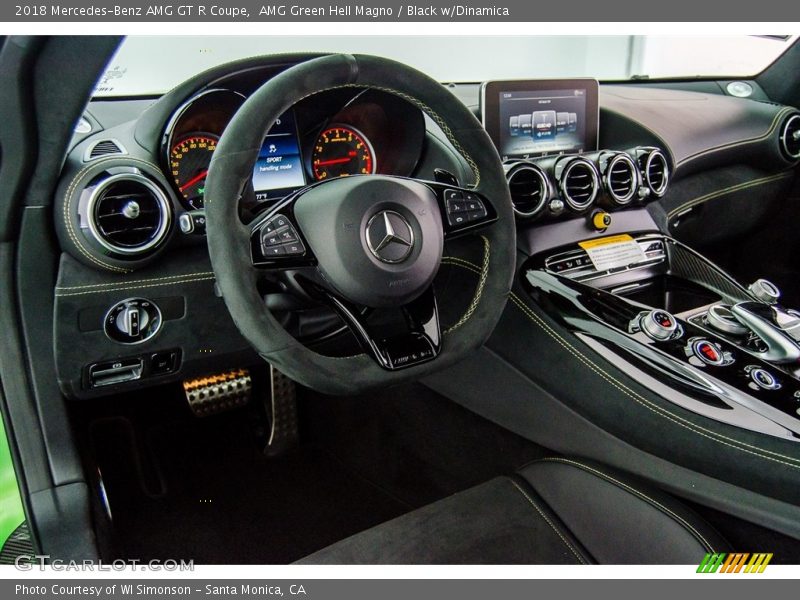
pixel 202 490
pixel 413 442
pixel 180 487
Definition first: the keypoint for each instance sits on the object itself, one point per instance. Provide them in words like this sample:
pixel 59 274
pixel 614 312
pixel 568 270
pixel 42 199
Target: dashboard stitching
pixel 123 283
pixel 635 492
pixel 729 190
pixel 778 116
pixel 484 271
pixel 68 210
pixel 134 287
pixel 549 522
pixel 714 436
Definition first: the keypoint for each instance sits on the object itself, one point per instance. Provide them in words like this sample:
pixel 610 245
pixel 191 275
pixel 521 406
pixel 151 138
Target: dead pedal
pixel 217 393
pixel 282 413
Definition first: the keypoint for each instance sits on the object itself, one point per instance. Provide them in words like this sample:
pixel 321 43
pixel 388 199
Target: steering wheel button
pixel 274 251
pixel 280 221
pixel 287 235
pixel 295 248
pixel 457 219
pixel 456 206
pixel 475 215
pixel 453 195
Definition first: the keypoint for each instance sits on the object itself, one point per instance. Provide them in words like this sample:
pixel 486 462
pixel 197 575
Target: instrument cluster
pixel 332 134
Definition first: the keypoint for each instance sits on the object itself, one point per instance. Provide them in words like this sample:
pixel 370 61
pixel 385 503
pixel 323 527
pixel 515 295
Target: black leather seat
pixel 555 511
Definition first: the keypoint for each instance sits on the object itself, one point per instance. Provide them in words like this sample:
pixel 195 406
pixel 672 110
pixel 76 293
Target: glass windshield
pixel 147 65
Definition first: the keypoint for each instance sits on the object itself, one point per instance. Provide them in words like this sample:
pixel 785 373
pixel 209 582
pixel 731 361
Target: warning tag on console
pixel 613 252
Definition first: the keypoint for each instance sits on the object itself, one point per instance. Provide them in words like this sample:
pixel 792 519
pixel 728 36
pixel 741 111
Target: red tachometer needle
pixel 199 177
pixel 333 161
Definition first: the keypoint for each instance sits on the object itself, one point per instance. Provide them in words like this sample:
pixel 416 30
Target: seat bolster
pixel 618 519
pixel 494 523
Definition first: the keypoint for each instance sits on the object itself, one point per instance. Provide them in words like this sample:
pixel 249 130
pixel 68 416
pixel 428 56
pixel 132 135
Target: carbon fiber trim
pixel 689 265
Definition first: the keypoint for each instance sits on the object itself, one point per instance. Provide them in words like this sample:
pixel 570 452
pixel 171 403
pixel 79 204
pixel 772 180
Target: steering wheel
pixel 360 241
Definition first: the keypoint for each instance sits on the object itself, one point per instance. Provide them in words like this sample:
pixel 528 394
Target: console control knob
pixel 763 378
pixel 132 321
pixel 721 318
pixel 709 353
pixel 765 291
pixel 659 325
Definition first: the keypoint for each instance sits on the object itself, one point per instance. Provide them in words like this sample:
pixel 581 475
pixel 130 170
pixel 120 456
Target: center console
pixel 674 321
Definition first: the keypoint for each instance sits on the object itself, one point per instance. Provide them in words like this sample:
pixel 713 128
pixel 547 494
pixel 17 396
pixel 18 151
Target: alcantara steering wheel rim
pixel 350 268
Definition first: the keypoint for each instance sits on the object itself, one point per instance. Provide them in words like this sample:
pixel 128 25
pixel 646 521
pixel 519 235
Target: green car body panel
pixel 12 514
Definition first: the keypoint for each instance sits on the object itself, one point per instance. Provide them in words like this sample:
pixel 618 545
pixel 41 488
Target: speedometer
pixel 342 150
pixel 188 161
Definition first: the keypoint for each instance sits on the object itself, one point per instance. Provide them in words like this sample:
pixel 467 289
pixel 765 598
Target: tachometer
pixel 188 162
pixel 341 151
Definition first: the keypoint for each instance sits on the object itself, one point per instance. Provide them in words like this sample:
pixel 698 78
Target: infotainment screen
pixel 279 168
pixel 533 118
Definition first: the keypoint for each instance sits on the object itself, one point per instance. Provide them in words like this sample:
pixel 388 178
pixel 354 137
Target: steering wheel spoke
pixel 463 210
pixel 416 341
pixel 276 241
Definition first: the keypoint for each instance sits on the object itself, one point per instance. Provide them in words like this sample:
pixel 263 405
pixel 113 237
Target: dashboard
pixel 129 205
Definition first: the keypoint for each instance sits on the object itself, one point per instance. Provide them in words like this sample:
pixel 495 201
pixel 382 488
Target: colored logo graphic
pixel 735 562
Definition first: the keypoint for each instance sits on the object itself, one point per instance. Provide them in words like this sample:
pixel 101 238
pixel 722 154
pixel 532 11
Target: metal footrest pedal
pixel 217 393
pixel 282 413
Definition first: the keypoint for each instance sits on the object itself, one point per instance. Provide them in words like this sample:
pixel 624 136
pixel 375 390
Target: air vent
pixel 529 189
pixel 656 173
pixel 128 214
pixel 790 137
pixel 621 179
pixel 103 148
pixel 579 184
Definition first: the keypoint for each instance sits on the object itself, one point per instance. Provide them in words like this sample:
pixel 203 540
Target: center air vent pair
pixel 115 214
pixel 576 183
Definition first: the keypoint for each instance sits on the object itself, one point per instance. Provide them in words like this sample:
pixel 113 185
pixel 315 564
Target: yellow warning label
pixel 612 239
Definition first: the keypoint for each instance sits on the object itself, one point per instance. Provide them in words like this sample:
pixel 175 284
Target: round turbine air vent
pixel 621 179
pixel 579 184
pixel 790 137
pixel 656 173
pixel 529 189
pixel 128 214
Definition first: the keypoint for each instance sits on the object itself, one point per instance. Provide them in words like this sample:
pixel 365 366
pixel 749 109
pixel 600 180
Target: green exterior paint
pixel 11 512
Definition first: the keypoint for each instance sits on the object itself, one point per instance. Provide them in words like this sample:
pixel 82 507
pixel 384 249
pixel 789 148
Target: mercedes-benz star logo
pixel 389 237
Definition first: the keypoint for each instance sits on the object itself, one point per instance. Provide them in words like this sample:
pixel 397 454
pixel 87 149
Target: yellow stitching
pixel 484 272
pixel 778 116
pixel 123 283
pixel 460 262
pixel 699 430
pixel 636 492
pixel 546 520
pixel 68 209
pixel 729 190
pixel 134 287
